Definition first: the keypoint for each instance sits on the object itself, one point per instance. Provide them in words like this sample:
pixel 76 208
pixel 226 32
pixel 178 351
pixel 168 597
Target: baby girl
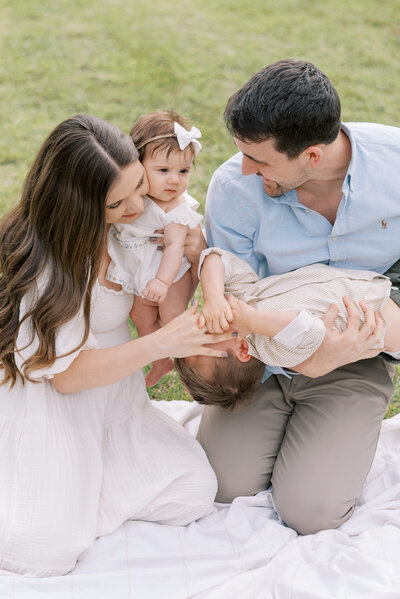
pixel 160 281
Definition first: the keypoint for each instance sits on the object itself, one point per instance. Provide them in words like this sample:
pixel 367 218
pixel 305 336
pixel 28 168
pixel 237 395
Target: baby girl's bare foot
pixel 158 369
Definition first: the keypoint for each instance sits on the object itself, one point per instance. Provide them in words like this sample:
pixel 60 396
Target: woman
pixel 81 447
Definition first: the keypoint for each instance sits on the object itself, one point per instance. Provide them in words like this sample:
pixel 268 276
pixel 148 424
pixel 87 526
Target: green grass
pixel 120 59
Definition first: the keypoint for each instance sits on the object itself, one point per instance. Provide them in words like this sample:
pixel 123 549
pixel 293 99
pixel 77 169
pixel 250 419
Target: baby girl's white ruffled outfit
pixel 74 467
pixel 134 259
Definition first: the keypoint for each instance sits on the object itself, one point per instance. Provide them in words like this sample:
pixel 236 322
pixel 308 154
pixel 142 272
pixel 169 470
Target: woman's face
pixel 124 202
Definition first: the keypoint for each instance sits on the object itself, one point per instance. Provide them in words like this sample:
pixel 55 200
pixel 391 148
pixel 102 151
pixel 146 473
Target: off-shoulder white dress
pixel 74 467
pixel 134 260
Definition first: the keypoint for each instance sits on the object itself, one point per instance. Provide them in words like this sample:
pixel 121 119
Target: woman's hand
pixel 183 337
pixel 216 314
pixel 354 343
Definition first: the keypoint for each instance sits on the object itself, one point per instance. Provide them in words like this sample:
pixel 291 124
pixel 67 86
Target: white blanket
pixel 242 550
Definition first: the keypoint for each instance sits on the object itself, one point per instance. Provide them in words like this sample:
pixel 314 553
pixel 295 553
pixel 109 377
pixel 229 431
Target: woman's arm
pixel 181 337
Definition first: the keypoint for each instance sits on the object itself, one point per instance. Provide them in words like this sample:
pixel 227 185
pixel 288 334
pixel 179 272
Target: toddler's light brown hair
pixel 155 131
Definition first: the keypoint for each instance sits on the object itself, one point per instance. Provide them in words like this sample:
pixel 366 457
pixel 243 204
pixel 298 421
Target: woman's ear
pixel 242 351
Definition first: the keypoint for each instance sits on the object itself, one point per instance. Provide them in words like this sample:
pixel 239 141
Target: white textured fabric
pixel 312 288
pixel 74 467
pixel 242 551
pixel 134 260
pixel 293 334
pixel 72 331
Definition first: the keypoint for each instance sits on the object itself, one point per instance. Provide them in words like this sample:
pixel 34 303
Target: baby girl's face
pixel 168 176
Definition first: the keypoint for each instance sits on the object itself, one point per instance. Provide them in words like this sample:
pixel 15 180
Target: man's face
pixel 279 173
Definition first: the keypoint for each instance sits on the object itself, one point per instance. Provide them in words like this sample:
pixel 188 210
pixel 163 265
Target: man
pixel 306 188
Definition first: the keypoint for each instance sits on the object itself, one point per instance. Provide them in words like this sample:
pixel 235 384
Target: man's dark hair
pixel 290 101
pixel 231 384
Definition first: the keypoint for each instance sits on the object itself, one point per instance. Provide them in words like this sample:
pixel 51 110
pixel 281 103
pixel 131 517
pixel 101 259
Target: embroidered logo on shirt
pixel 384 224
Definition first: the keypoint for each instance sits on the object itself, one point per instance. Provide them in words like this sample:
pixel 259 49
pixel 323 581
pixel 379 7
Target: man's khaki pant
pixel 313 439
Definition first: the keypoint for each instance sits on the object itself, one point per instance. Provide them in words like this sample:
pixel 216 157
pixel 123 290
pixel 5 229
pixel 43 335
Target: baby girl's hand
pixel 242 315
pixel 156 291
pixel 216 314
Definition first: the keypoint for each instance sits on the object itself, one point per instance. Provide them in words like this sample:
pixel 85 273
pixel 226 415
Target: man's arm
pixel 394 275
pixel 226 221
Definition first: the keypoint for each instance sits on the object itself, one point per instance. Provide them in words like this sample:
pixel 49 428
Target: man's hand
pixel 156 291
pixel 354 343
pixel 216 314
pixel 195 243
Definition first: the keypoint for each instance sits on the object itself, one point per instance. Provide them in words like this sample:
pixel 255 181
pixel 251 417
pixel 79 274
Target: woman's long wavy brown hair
pixel 58 225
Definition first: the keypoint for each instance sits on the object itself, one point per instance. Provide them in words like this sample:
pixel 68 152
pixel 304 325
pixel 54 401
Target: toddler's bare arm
pixel 247 319
pixel 216 313
pixel 174 241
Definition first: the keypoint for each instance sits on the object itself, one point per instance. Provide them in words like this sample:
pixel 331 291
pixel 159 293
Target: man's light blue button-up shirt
pixel 275 235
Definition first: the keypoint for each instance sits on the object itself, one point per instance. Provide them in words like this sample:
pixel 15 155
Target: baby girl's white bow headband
pixel 186 137
pixel 183 136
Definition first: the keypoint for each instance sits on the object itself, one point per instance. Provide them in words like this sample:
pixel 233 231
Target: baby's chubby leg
pixel 391 314
pixel 174 304
pixel 145 315
pixel 177 299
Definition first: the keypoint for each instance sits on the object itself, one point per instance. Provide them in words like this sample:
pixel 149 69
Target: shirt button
pixel 308 211
pixel 334 238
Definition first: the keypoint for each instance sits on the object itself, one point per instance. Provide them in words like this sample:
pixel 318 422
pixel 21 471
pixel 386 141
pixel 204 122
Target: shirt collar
pixel 290 197
pixel 349 178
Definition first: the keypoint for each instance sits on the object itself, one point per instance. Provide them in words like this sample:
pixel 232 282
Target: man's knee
pixel 239 469
pixel 308 512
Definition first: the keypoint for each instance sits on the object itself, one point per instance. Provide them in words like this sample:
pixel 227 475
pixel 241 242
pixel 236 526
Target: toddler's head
pixel 167 146
pixel 229 383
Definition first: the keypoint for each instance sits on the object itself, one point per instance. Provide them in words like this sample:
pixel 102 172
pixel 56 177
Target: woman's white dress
pixel 134 260
pixel 74 467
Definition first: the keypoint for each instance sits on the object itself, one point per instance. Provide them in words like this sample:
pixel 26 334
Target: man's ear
pixel 314 155
pixel 242 351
